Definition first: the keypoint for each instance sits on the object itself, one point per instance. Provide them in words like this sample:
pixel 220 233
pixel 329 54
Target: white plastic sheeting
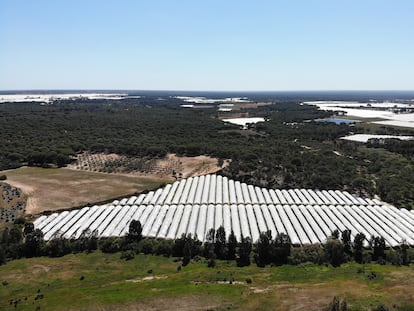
pixel 244 223
pixel 103 226
pixel 175 222
pixel 235 223
pixel 218 216
pixel 122 224
pixel 269 221
pixel 227 219
pixel 192 225
pixel 196 205
pixel 182 229
pixel 201 224
pixel 109 231
pixel 93 213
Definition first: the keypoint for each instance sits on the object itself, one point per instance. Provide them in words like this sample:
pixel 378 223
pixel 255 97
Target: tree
pixel 404 253
pixel 28 228
pixel 5 236
pixel 231 246
pixel 88 241
pixel 335 234
pixel 263 255
pixel 220 243
pixel 243 252
pixel 178 247
pixel 209 248
pixel 2 256
pixel 281 247
pixel 58 247
pixel 15 235
pixel 187 253
pixel 135 231
pixel 334 250
pixel 186 246
pixel 346 241
pixel 358 247
pixel 378 248
pixel 33 243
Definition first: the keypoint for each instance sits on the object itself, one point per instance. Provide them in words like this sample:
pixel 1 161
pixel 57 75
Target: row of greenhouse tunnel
pixel 196 205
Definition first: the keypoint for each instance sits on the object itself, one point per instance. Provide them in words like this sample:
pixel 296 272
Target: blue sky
pixel 207 45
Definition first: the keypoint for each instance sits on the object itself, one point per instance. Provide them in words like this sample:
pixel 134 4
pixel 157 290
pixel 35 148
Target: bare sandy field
pixel 60 188
pixel 200 165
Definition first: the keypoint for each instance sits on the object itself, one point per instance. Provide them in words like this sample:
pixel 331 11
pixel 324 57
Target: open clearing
pixel 166 167
pixel 106 285
pixel 59 188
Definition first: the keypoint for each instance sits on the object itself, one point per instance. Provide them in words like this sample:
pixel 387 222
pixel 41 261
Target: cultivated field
pixel 169 166
pixel 104 282
pixel 54 189
pixel 12 203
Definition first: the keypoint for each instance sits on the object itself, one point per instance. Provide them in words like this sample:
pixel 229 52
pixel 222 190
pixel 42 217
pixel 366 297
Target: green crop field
pixel 100 281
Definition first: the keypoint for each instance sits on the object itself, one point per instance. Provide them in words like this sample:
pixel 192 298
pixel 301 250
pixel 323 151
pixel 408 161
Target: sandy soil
pixel 166 167
pixel 200 165
pixel 56 189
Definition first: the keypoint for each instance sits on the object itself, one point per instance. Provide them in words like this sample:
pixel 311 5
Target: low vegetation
pixel 84 281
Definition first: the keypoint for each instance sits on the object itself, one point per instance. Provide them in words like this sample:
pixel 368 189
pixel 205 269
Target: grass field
pixel 59 188
pixel 104 282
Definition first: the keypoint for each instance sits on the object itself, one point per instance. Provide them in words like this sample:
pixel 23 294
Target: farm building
pixel 197 204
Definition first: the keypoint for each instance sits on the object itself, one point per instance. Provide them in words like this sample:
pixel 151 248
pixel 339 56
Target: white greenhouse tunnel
pixel 198 204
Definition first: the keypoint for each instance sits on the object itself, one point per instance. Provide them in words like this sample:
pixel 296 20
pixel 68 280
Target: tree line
pixel 22 240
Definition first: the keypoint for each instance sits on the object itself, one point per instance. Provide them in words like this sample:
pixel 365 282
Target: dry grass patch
pixel 59 188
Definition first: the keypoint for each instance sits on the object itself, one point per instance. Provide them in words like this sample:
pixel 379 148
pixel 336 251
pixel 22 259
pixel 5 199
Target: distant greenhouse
pixel 195 205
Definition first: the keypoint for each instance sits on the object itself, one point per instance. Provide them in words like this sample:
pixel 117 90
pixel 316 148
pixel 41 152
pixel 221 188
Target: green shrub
pixel 110 245
pixel 128 255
